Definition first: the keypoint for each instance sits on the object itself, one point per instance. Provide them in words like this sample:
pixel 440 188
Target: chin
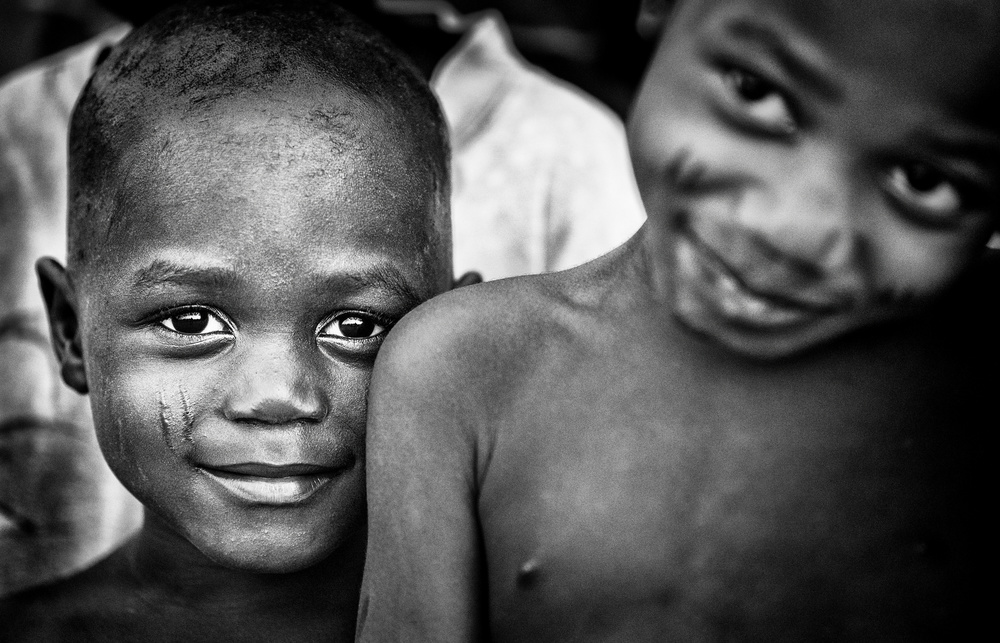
pixel 777 345
pixel 270 556
pixel 276 548
pixel 776 349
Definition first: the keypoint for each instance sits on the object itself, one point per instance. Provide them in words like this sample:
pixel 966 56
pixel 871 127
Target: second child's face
pixel 231 326
pixel 810 168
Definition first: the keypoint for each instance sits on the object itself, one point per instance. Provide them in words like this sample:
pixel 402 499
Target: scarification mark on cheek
pixel 120 430
pixel 684 173
pixel 123 456
pixel 187 428
pixel 166 419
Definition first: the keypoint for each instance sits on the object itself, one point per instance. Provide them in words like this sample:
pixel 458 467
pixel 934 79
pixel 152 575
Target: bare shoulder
pixel 491 333
pixel 81 607
pixel 456 370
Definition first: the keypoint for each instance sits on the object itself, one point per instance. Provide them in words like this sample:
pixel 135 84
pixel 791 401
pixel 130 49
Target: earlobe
pixel 467 279
pixel 60 303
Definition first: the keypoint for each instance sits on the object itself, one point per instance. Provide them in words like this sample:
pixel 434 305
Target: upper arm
pixel 424 577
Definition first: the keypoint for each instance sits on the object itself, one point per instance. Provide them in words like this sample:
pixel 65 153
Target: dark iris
pixel 191 322
pixel 750 86
pixel 355 326
pixel 923 177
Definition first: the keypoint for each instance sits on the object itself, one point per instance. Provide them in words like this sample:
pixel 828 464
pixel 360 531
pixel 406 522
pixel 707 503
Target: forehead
pixel 288 179
pixel 946 48
pixel 307 128
pixel 893 24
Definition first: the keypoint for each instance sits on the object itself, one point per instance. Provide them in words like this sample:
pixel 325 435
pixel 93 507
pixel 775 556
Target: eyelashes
pixel 923 189
pixel 932 196
pixel 191 331
pixel 753 102
pixel 354 325
pixel 344 327
pixel 925 192
pixel 195 321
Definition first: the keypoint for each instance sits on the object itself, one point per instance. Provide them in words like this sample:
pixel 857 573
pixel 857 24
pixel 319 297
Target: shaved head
pixel 199 59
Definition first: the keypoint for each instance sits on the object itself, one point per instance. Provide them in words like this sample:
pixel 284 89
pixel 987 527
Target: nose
pixel 281 379
pixel 805 213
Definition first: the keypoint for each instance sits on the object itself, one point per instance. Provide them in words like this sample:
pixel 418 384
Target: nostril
pixel 277 384
pixel 778 252
pixel 809 251
pixel 274 409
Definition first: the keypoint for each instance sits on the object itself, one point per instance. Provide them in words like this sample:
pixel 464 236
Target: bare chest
pixel 655 503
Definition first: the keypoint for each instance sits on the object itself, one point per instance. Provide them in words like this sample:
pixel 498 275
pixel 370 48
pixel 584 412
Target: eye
pixel 356 326
pixel 922 188
pixel 194 321
pixel 757 102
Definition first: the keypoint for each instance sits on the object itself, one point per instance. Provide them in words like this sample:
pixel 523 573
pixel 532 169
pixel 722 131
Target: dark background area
pixel 593 44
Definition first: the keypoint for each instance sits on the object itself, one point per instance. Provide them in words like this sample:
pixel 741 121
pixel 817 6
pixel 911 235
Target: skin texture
pixel 212 327
pixel 802 195
pixel 756 420
pixel 60 506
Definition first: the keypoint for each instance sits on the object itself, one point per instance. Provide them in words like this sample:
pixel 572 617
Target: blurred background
pixel 590 43
pixel 32 29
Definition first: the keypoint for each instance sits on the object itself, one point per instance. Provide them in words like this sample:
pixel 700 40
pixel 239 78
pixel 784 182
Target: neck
pixel 171 571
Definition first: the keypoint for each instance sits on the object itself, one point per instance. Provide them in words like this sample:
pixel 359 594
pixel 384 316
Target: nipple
pixel 529 573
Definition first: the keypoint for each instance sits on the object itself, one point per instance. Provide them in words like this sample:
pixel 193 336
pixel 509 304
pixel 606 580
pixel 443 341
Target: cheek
pixel 656 124
pixel 923 263
pixel 657 121
pixel 677 140
pixel 349 399
pixel 143 415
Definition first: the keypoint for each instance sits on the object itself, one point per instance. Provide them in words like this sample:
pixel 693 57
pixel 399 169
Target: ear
pixel 653 16
pixel 467 279
pixel 60 302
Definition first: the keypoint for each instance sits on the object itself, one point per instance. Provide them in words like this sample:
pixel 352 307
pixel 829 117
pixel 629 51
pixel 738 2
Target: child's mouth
pixel 269 484
pixel 710 280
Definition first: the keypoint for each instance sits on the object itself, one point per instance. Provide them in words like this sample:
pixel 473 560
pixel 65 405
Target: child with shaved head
pixel 766 416
pixel 258 192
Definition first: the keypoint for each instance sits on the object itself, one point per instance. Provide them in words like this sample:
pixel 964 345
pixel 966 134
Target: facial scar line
pixel 187 430
pixel 164 422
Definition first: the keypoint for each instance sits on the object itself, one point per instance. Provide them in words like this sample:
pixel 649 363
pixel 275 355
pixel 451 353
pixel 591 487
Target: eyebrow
pixel 796 64
pixel 381 275
pixel 979 146
pixel 161 272
pixel 387 277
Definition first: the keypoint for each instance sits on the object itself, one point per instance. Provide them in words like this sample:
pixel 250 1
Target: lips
pixel 717 285
pixel 261 470
pixel 271 484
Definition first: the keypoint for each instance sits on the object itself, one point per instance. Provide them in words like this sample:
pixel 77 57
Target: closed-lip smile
pixel 271 484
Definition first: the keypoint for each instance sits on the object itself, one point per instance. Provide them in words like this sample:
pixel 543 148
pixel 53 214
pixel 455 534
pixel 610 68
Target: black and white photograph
pixel 459 321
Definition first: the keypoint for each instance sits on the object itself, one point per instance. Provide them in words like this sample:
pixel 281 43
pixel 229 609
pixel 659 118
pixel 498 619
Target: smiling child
pixel 763 418
pixel 258 192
